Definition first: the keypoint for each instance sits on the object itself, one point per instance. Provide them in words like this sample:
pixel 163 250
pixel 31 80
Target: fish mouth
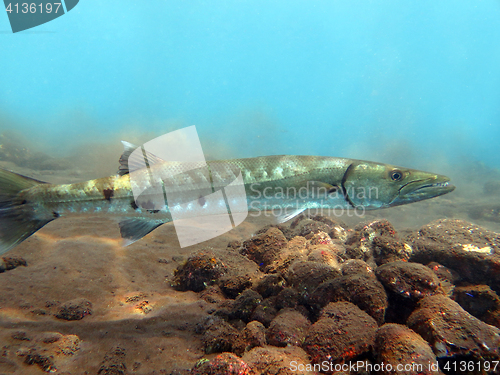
pixel 425 189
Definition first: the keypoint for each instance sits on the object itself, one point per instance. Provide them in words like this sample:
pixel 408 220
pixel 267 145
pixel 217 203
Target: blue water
pixel 399 80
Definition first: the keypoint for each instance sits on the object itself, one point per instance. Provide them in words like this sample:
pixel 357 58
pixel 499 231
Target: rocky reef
pixel 326 298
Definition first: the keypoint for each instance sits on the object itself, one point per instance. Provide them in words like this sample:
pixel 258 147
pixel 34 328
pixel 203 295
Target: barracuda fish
pixel 291 184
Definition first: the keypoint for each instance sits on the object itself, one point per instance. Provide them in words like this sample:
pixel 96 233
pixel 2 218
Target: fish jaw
pixel 423 189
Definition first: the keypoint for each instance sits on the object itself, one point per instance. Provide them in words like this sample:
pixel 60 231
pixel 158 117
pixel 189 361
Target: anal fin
pixel 133 229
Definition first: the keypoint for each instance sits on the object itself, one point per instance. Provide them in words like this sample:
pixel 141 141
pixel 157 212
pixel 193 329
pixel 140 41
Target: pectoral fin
pixel 289 215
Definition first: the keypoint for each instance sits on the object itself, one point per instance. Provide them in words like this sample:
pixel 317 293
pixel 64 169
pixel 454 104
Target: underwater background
pixel 403 82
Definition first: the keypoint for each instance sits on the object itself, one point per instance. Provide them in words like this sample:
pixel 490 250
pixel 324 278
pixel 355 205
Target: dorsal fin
pixel 135 161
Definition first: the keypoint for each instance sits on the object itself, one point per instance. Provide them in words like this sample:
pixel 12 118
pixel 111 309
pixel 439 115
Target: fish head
pixel 372 185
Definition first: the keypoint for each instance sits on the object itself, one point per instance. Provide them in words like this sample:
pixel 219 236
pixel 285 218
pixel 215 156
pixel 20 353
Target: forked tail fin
pixel 18 219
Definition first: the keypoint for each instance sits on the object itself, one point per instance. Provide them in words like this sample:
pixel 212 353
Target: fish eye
pixel 396 175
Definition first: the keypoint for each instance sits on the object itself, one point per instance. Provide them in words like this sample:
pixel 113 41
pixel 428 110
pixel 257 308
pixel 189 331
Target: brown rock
pixel 397 345
pixel 296 250
pixel 477 300
pixel 218 336
pixel 342 333
pixel 223 364
pixel 288 328
pixel 365 292
pixel 76 309
pixel 234 285
pixel 469 250
pixel 264 248
pixel 113 363
pixel 245 304
pixel 270 285
pixel 254 334
pixel 452 331
pixel 9 263
pixel 291 360
pixel 306 276
pixel 357 267
pixel 212 294
pixel 200 270
pixel 410 280
pixel 265 312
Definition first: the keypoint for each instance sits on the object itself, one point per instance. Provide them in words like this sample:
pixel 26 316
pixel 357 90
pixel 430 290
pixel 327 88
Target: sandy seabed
pixel 134 306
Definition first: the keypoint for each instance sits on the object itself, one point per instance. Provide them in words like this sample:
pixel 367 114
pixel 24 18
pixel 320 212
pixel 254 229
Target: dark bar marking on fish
pixel 344 190
pixel 55 214
pixel 108 194
pixel 133 205
pixel 153 211
pixel 202 200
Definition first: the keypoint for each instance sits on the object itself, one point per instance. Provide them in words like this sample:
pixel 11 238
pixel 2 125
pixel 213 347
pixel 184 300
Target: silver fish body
pixel 288 183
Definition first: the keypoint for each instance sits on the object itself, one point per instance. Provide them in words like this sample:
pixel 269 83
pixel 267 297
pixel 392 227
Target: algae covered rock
pixel 343 332
pixel 199 271
pixel 452 331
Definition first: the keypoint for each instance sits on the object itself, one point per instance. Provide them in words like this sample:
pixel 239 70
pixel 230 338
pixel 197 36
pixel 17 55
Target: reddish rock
pixel 342 333
pixel 263 249
pixel 469 250
pixel 232 286
pixel 389 249
pixel 270 285
pixel 478 300
pixel 265 312
pixel 447 277
pixel 288 328
pixel 397 345
pixel 245 304
pixel 270 360
pixel 200 270
pixel 254 334
pixel 113 363
pixel 410 280
pixel 218 335
pixel 223 364
pixel 357 267
pixel 76 309
pixel 327 254
pixel 296 250
pixel 452 331
pixel 365 292
pixel 306 276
